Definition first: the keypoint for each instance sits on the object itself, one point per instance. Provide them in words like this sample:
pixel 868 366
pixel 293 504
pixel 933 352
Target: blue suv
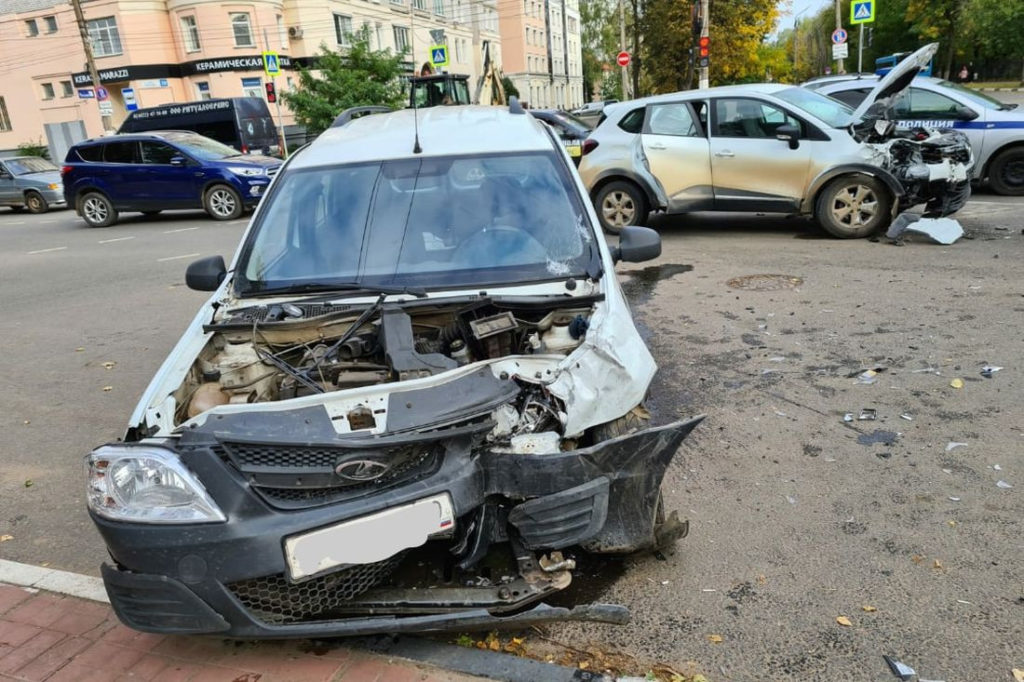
pixel 162 170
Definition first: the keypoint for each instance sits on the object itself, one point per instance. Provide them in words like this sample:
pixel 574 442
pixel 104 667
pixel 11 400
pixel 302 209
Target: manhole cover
pixel 765 282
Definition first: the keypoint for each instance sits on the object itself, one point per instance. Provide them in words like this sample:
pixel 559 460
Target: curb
pixel 52 580
pixel 1001 89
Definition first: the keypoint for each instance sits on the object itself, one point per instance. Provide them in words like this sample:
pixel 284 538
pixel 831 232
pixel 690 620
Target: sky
pixel 801 8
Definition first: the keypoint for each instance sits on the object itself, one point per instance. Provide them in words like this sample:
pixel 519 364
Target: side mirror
pixel 965 114
pixel 206 274
pixel 177 160
pixel 789 133
pixel 637 244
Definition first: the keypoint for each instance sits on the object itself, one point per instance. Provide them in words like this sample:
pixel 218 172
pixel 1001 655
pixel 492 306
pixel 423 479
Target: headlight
pixel 54 185
pixel 247 171
pixel 146 485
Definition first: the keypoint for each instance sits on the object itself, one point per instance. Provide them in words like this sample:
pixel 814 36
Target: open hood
pixel 897 80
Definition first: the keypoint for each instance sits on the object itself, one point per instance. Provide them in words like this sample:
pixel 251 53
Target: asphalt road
pixel 794 521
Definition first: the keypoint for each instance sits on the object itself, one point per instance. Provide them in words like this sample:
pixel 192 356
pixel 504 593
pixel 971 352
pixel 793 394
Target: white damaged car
pixel 415 385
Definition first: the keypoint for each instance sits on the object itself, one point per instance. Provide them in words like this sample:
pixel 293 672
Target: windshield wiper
pixel 359 287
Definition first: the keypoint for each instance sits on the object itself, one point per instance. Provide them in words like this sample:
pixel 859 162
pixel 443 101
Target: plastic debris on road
pixel 868 377
pixel 942 230
pixel 988 370
pixel 907 417
pixel 868 415
pixel 953 445
pixel 900 669
pixel 1003 484
pixel 844 621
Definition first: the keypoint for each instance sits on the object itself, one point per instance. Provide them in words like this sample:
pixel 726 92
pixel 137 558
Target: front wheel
pixel 1006 174
pixel 620 204
pixel 35 202
pixel 97 210
pixel 854 206
pixel 223 203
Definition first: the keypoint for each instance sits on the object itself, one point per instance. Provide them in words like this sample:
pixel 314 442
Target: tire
pixel 619 204
pixel 17 209
pixel 223 203
pixel 854 206
pixel 97 210
pixel 150 214
pixel 1006 172
pixel 35 203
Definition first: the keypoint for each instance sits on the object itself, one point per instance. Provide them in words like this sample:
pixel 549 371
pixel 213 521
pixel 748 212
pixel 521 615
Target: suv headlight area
pixel 145 484
pixel 248 171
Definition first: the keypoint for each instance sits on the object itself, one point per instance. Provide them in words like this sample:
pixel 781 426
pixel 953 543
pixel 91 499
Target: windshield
pixel 202 148
pixel 826 109
pixel 975 96
pixel 435 222
pixel 29 165
pixel 572 121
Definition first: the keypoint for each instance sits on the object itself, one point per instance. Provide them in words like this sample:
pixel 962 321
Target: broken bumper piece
pixel 234 578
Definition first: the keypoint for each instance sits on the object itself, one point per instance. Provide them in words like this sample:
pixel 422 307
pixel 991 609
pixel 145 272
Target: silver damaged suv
pixel 774 148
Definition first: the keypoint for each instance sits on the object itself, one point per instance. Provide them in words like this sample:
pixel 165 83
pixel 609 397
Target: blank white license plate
pixel 369 539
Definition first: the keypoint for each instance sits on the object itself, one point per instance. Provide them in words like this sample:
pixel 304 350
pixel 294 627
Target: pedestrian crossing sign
pixel 862 11
pixel 439 55
pixel 271 63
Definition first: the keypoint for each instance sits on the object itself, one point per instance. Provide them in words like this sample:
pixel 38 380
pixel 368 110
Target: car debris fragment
pixel 900 669
pixel 942 230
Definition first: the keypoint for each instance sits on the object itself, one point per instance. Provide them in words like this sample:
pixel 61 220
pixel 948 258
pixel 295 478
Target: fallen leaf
pixel 918 558
pixel 5 538
pixel 79 349
pixel 957 383
pixel 28 483
pixel 584 665
pixel 1018 675
pixel 869 609
pixel 28 421
pixel 762 579
pixel 951 523
pixel 716 639
pixel 108 388
pixel 495 645
pixel 109 365
pixel 45 564
pixel 844 621
pixel 937 564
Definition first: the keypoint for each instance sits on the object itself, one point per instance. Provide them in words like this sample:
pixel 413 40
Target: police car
pixel 995 129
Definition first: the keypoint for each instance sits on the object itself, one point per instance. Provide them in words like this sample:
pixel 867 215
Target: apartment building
pixel 542 53
pixel 151 52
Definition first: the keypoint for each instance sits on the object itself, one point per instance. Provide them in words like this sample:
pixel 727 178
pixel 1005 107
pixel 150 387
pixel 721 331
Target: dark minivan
pixel 240 122
pixel 162 170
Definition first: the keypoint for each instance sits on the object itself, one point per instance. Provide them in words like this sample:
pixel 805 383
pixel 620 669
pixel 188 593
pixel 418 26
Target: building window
pixel 252 87
pixel 378 31
pixel 282 33
pixel 242 28
pixel 398 2
pixel 67 90
pixel 458 50
pixel 31 28
pixel 51 24
pixel 401 39
pixel 439 8
pixel 343 29
pixel 5 120
pixel 48 91
pixel 420 4
pixel 103 35
pixel 289 82
pixel 203 89
pixel 190 33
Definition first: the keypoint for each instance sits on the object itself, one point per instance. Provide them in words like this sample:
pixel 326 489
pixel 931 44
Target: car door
pixel 924 107
pixel 678 155
pixel 8 193
pixel 751 169
pixel 124 178
pixel 170 185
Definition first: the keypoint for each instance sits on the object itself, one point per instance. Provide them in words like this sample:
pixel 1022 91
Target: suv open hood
pixel 897 80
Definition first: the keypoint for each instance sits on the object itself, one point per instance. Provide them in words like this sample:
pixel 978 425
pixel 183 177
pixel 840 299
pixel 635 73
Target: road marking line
pixel 183 229
pixel 20 222
pixel 187 255
pixel 116 239
pixel 1007 204
pixel 56 248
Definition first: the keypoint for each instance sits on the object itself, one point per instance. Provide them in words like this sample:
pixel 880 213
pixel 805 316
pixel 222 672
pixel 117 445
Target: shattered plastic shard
pixel 1003 484
pixel 954 445
pixel 942 230
pixel 900 670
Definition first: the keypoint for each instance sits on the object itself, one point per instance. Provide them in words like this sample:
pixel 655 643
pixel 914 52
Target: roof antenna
pixel 416 148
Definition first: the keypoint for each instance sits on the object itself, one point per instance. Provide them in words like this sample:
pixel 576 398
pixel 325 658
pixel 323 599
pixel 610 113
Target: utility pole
pixel 91 62
pixel 704 81
pixel 622 42
pixel 839 24
pixel 277 95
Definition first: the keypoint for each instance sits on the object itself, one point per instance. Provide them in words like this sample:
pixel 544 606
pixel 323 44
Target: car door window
pixel 4 173
pixel 852 97
pixel 633 122
pixel 121 152
pixel 158 153
pixel 750 118
pixel 671 119
pixel 925 104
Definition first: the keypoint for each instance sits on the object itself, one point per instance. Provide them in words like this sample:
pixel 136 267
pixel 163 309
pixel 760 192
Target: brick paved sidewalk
pixel 46 636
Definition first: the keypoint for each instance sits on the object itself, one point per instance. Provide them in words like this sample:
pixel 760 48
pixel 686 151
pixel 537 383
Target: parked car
pixel 30 182
pixel 570 130
pixel 162 170
pixel 418 371
pixel 772 148
pixel 995 129
pixel 591 111
pixel 244 123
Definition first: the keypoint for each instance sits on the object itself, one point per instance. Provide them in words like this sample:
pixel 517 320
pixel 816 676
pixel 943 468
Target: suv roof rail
pixel 358 112
pixel 514 107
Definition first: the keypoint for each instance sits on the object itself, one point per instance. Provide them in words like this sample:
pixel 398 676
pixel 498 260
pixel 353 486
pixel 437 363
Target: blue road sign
pixel 86 93
pixel 439 55
pixel 839 36
pixel 101 93
pixel 862 11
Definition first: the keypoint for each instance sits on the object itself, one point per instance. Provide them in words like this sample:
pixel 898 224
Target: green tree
pixel 510 88
pixel 359 77
pixel 599 40
pixel 667 27
pixel 995 27
pixel 939 20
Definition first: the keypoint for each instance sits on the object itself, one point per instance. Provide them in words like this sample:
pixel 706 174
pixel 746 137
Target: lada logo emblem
pixel 361 470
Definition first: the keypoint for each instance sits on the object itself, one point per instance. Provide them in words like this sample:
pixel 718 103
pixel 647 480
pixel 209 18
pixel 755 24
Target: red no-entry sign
pixel 623 58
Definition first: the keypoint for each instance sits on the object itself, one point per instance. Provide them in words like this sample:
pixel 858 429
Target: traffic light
pixel 271 92
pixel 703 51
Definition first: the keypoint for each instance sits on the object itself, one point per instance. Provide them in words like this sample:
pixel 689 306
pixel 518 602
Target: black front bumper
pixel 231 577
